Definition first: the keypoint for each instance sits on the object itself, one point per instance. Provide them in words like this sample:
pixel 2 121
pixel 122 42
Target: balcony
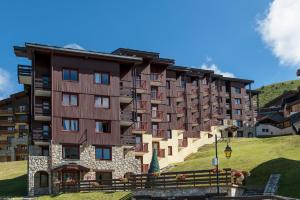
pixel 41 138
pixel 22 110
pixel 126 118
pixel 125 95
pixel 156 79
pixel 144 168
pixel 194 93
pixel 141 106
pixel 180 111
pixel 22 120
pixel 156 97
pixel 180 96
pixel 3 142
pixel 182 143
pixel 156 116
pixel 6 112
pixel 195 121
pixel 6 122
pixel 5 152
pixel 139 128
pixel 7 132
pixel 25 74
pixel 141 149
pixel 194 107
pixel 21 151
pixel 128 140
pixel 161 153
pixel 19 141
pixel 42 87
pixel 41 114
pixel 141 86
pixel 157 134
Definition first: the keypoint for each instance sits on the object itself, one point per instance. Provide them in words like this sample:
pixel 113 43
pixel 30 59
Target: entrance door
pixel 104 178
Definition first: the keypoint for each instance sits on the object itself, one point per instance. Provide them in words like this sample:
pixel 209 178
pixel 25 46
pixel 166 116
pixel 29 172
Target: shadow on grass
pixel 289 182
pixel 15 187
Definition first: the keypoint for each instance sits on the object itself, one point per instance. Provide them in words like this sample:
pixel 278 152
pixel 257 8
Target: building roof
pixel 25 52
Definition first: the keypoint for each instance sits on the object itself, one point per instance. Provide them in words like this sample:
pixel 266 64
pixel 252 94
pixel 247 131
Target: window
pixel 169 134
pixel 10 128
pixel 70 99
pixel 239 123
pixel 46 107
pixel 10 119
pixel 45 80
pixel 204 81
pixel 103 153
pixel 168 101
pixel 170 150
pixel 70 125
pixel 101 102
pixel 237 101
pixel 168 85
pixel 70 75
pixel 45 150
pixel 238 112
pixel 46 130
pixel 70 151
pixel 102 78
pixel 102 126
pixel 22 108
pixel 237 90
pixel 182 83
pixel 195 82
pixel 265 130
pixel 168 117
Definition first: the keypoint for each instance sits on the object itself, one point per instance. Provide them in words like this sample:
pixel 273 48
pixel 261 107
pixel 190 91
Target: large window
pixel 70 125
pixel 237 90
pixel 237 101
pixel 238 112
pixel 102 126
pixel 103 153
pixel 46 130
pixel 70 152
pixel 70 75
pixel 101 102
pixel 102 78
pixel 70 99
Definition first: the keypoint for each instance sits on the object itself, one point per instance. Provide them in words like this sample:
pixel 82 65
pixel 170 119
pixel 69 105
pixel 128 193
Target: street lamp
pixel 227 152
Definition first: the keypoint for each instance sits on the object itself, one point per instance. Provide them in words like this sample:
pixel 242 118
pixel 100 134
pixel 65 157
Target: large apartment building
pixel 14 127
pixel 100 115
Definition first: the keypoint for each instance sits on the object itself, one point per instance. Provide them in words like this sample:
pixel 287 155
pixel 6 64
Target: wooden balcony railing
pixel 182 142
pixel 140 126
pixel 142 105
pixel 39 110
pixel 6 112
pixel 7 131
pixel 155 114
pixel 42 84
pixel 180 110
pixel 141 84
pixel 156 77
pixel 126 116
pixel 142 147
pixel 21 151
pixel 161 153
pixel 5 121
pixel 156 95
pixel 5 142
pixel 125 92
pixel 180 94
pixel 40 135
pixel 22 109
pixel 158 133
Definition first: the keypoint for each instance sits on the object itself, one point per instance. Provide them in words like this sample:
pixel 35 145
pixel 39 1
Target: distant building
pixel 14 119
pixel 281 116
pixel 100 115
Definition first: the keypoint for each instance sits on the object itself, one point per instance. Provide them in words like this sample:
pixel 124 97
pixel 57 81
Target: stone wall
pixel 119 165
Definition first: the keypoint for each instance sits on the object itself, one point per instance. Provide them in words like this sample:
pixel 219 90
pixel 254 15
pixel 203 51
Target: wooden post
pixel 164 181
pixel 194 179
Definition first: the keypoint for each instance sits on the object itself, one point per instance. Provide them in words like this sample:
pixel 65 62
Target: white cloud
pixel 6 85
pixel 74 46
pixel 280 29
pixel 216 70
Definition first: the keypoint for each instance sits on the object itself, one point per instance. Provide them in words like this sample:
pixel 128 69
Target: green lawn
pixel 13 179
pixel 259 156
pixel 87 196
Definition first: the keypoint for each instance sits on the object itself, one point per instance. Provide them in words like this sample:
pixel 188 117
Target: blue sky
pixel 195 33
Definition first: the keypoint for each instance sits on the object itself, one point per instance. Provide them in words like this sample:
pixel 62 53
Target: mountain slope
pixel 270 92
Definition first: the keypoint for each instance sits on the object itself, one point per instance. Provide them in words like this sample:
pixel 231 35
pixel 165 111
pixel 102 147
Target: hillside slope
pixel 261 157
pixel 270 92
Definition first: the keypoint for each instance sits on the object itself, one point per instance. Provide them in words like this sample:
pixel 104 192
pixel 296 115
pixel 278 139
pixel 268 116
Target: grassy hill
pixel 261 157
pixel 270 92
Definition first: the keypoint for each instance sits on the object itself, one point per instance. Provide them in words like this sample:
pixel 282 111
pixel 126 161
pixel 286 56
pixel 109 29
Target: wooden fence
pixel 168 180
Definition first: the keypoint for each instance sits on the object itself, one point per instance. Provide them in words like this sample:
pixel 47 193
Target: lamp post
pixel 227 152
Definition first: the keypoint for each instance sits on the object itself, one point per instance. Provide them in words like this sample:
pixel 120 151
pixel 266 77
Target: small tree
pixel 154 165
